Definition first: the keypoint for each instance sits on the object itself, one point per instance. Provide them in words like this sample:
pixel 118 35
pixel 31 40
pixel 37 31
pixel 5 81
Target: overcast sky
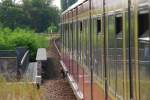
pixel 57 3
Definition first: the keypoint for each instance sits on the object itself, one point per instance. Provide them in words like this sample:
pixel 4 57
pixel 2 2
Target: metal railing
pixel 23 62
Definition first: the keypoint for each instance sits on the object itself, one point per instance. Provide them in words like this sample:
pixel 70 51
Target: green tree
pixel 52 28
pixel 66 3
pixel 11 15
pixel 35 14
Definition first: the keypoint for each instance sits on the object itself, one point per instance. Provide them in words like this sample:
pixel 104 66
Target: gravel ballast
pixel 55 86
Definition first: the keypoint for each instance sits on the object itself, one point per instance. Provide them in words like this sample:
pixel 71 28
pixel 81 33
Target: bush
pixel 9 40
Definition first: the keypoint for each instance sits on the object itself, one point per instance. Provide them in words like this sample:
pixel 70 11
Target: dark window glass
pixel 71 27
pixel 81 27
pixel 119 24
pixel 143 24
pixel 98 25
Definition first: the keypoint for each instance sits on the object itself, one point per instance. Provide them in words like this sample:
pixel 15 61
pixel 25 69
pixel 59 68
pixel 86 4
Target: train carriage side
pixel 80 25
pixel 115 54
pixel 74 47
pixel 127 42
pixel 97 48
pixel 84 53
pixel 131 61
pixel 142 41
pixel 97 38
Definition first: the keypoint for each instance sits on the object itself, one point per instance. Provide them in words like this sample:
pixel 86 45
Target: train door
pixel 71 47
pixel 85 44
pixel 80 40
pixel 63 26
pixel 87 78
pixel 119 55
pixel 144 52
pixel 64 35
pixel 125 62
pixel 87 85
pixel 75 51
pixel 97 58
pixel 94 44
pixel 97 51
pixel 100 48
pixel 111 56
pixel 115 68
pixel 65 38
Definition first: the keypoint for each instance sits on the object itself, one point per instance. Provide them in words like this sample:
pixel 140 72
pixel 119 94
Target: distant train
pixel 110 39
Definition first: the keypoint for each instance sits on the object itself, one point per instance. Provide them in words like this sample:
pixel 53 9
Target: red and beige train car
pixel 106 47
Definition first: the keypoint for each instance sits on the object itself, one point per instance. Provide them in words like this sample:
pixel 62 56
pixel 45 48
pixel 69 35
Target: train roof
pixel 74 5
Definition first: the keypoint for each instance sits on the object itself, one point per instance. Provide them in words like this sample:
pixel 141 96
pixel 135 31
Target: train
pixel 110 41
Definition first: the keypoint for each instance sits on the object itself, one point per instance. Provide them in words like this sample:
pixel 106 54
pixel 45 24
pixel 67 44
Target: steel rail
pixel 71 80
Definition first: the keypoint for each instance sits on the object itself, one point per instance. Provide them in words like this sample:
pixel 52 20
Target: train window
pixel 71 27
pixel 98 25
pixel 81 27
pixel 143 24
pixel 119 24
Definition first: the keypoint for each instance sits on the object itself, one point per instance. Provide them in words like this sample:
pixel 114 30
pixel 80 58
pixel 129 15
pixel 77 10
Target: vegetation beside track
pixel 18 91
pixel 10 39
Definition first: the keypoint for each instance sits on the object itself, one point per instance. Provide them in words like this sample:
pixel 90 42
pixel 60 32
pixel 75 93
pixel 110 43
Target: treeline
pixel 39 15
pixel 66 3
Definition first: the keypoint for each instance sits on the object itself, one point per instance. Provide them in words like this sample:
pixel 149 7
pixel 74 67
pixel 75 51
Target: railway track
pixel 55 86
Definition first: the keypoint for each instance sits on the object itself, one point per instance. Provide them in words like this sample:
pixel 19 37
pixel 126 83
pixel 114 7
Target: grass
pixel 17 91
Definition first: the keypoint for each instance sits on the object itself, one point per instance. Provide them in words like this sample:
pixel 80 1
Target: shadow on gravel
pixel 55 86
pixel 51 69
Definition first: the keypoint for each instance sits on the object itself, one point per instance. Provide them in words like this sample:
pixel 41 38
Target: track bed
pixel 55 86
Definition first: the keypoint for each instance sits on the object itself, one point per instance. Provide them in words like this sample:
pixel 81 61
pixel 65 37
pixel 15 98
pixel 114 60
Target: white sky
pixel 57 3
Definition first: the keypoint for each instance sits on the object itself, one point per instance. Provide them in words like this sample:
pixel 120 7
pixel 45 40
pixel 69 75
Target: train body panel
pixel 116 54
